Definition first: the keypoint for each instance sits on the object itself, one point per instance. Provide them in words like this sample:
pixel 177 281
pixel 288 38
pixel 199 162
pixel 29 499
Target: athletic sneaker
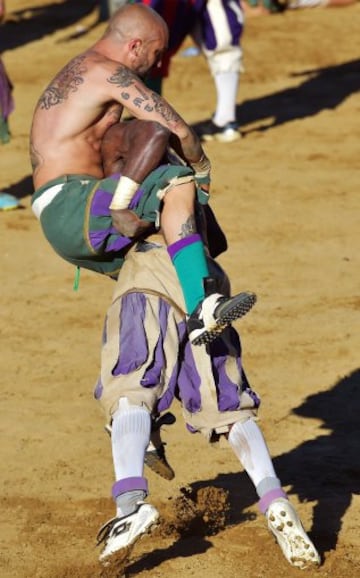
pixel 288 530
pixel 120 533
pixel 215 313
pixel 209 131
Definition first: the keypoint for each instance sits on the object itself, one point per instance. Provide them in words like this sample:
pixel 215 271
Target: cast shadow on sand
pixel 35 22
pixel 182 548
pixel 325 470
pixel 322 89
pixel 21 189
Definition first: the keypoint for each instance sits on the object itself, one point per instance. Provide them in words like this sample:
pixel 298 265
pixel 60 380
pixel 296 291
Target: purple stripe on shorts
pixel 136 199
pixel 189 382
pixel 228 390
pixel 100 203
pixel 209 37
pixel 253 396
pixel 169 395
pixel 97 238
pixel 100 238
pixel 132 337
pixel 269 497
pixel 152 375
pixel 117 242
pixel 174 248
pixel 235 26
pixel 128 485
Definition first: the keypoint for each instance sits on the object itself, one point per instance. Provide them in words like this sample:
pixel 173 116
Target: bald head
pixel 136 37
pixel 137 21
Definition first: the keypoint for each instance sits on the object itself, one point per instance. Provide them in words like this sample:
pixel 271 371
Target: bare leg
pixel 178 214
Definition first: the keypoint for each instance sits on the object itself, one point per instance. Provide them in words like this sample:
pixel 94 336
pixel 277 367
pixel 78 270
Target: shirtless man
pixel 85 217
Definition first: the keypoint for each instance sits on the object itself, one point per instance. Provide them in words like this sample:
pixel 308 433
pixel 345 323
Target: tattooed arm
pixel 147 105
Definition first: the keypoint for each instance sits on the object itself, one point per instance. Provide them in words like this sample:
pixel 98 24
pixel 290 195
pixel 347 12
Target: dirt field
pixel 287 195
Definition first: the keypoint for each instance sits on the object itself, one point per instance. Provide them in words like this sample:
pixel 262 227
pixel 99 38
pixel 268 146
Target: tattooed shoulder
pixel 67 81
pixel 122 77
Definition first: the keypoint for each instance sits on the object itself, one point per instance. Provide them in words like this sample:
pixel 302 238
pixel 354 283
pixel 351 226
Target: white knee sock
pixel 129 438
pixel 248 443
pixel 227 84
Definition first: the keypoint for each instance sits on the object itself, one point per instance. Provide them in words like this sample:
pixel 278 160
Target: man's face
pixel 151 55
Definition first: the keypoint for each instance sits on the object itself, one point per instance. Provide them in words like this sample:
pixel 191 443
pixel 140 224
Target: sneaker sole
pixel 237 308
pixel 158 465
pixel 289 533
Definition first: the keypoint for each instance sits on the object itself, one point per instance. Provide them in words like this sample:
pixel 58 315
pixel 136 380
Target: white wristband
pixel 202 167
pixel 124 192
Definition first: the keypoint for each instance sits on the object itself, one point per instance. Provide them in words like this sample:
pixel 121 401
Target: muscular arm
pixel 144 104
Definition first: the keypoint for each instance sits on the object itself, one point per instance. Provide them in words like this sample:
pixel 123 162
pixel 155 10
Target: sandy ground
pixel 287 195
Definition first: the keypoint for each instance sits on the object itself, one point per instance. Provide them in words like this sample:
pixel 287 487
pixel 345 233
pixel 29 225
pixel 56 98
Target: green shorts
pixel 76 220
